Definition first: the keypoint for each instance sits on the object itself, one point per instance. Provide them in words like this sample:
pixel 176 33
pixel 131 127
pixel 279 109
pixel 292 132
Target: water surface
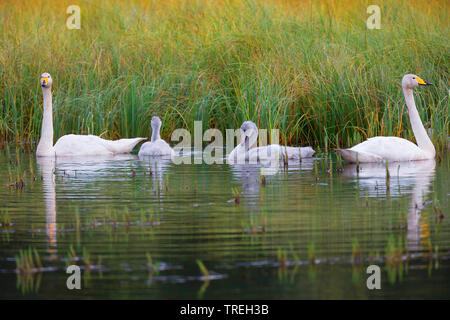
pixel 304 234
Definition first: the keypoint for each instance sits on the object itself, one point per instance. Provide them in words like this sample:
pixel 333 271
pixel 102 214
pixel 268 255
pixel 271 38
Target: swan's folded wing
pixel 351 156
pixel 122 145
pixel 295 152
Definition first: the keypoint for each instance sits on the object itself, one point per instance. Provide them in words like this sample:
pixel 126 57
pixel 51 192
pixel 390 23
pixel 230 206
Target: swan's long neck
pixel 249 138
pixel 422 138
pixel 45 145
pixel 155 133
pixel 245 144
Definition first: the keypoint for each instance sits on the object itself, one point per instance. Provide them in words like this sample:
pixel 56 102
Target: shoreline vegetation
pixel 309 68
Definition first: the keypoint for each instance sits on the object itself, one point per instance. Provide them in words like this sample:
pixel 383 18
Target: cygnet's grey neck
pixel 155 132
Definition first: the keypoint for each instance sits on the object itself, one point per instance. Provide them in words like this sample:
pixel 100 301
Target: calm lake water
pixel 305 234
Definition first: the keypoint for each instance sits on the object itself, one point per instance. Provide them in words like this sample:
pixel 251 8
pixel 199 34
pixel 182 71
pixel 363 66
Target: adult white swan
pixel 156 146
pixel 394 148
pixel 249 135
pixel 71 144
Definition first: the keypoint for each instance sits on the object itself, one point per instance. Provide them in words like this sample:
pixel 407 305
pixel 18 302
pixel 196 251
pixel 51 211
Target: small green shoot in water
pixel 19 182
pixel 437 209
pixel 5 220
pixel 236 194
pixel 357 163
pixel 205 285
pixel 340 166
pixel 282 257
pixel 367 198
pixel 126 216
pixel 312 253
pixel 133 173
pixel 253 227
pixel 166 183
pixel 203 269
pixel 330 169
pixel 285 158
pixel 86 258
pixel 263 180
pixel 394 258
pixel 152 267
pixel 388 177
pixel 300 155
pixel 316 171
pixel 71 256
pixel 28 261
pixel 356 251
pixel 294 254
pixel 149 260
pixel 77 218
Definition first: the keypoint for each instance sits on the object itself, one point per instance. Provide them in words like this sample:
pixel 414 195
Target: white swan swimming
pixel 249 135
pixel 71 144
pixel 394 148
pixel 157 146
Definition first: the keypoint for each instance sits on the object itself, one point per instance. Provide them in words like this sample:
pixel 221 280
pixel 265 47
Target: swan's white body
pixel 393 148
pixel 249 134
pixel 90 145
pixel 157 146
pixel 385 148
pixel 74 145
pixel 273 151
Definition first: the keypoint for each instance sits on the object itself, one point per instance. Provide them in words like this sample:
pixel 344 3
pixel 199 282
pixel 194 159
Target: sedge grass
pixel 309 68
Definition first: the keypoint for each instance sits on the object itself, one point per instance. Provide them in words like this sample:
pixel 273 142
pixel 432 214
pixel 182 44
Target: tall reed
pixel 310 68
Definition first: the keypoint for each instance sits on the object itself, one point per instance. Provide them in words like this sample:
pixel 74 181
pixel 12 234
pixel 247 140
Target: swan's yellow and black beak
pixel 44 82
pixel 422 82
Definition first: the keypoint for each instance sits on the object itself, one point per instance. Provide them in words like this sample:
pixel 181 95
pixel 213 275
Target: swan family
pixel 376 149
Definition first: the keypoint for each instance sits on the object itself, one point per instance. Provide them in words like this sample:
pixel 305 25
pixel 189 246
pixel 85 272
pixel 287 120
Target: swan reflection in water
pixel 85 168
pixel 249 175
pixel 46 167
pixel 157 166
pixel 413 177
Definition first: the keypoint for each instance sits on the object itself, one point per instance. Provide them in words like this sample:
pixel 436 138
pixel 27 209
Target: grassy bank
pixel 309 68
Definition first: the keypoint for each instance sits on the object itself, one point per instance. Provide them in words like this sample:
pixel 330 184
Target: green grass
pixel 309 68
pixel 28 261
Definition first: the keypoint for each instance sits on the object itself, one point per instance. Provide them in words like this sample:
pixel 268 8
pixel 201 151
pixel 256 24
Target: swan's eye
pixel 414 77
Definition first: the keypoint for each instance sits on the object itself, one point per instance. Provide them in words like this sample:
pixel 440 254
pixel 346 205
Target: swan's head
pixel 249 133
pixel 411 81
pixel 156 122
pixel 46 80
